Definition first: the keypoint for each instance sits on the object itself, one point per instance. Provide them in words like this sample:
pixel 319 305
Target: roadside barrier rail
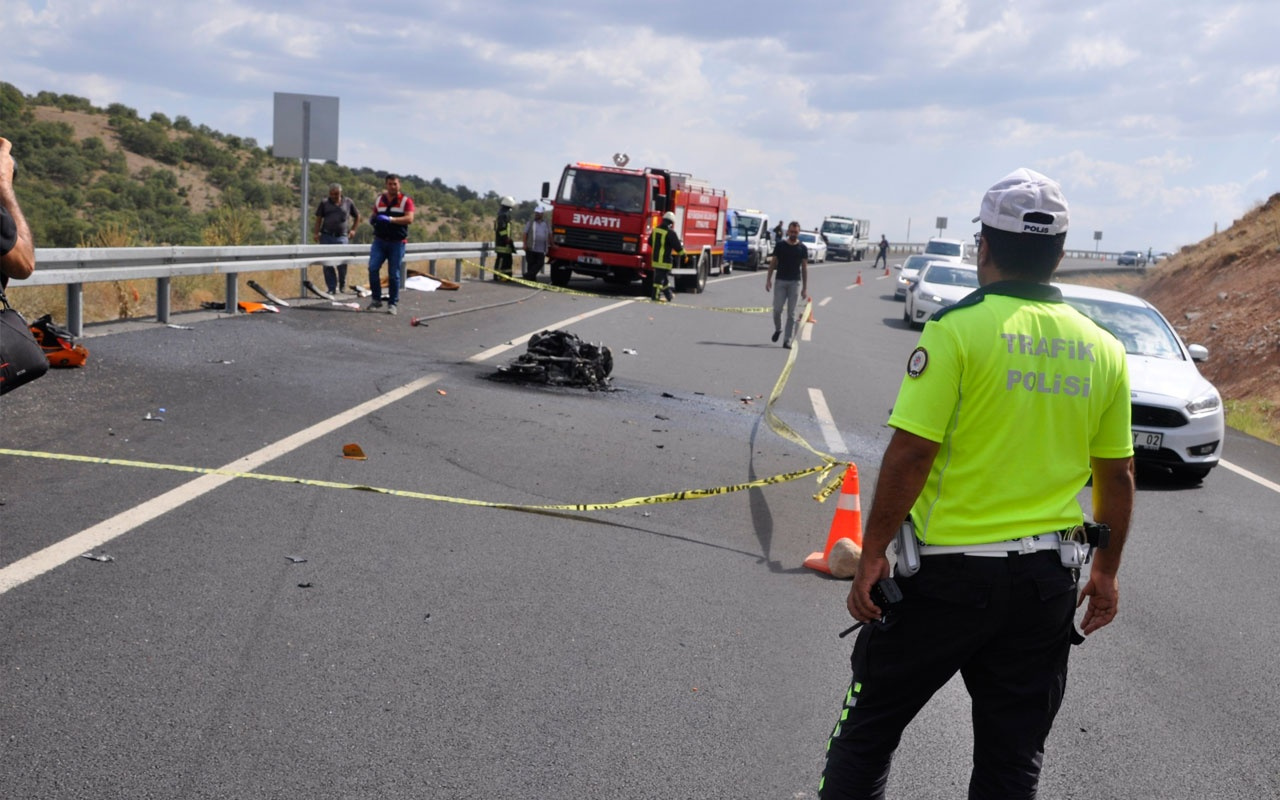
pixel 76 266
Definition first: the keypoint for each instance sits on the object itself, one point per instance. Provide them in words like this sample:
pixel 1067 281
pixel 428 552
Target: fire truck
pixel 602 216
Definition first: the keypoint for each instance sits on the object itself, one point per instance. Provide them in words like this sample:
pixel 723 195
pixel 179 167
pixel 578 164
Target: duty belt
pixel 1022 547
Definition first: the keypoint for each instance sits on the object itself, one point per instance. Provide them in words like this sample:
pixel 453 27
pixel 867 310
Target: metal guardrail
pixel 76 266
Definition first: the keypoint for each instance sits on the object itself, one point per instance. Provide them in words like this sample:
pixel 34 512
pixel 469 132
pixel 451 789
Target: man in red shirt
pixel 392 216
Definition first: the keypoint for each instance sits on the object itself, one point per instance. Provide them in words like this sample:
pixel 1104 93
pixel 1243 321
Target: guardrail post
pixel 75 308
pixel 233 300
pixel 162 300
pixel 431 267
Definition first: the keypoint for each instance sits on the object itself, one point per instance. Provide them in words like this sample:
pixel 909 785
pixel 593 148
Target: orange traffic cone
pixel 858 282
pixel 886 270
pixel 847 523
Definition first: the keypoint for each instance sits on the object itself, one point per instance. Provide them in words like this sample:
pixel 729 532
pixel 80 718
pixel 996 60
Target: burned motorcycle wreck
pixel 560 358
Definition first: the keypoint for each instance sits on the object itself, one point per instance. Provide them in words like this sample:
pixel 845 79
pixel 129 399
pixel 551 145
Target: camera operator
pixel 17 251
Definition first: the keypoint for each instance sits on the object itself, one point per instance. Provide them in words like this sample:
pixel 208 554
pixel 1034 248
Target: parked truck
pixel 846 237
pixel 602 217
pixel 750 243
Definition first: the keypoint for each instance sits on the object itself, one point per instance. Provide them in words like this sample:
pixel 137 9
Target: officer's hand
pixel 381 218
pixel 1103 591
pixel 871 570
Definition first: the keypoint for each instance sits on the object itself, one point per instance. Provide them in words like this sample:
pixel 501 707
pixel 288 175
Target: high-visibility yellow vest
pixel 659 254
pixel 504 235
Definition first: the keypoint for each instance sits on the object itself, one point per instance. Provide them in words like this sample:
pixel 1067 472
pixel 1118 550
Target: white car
pixel 940 284
pixel 816 245
pixel 945 248
pixel 907 272
pixel 1178 420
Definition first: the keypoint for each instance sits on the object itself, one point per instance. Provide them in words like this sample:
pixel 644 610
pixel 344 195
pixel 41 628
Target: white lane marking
pixel 824 301
pixel 59 553
pixel 826 423
pixel 502 348
pixel 1258 479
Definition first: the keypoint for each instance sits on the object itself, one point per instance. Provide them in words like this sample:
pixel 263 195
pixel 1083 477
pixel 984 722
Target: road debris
pixel 560 358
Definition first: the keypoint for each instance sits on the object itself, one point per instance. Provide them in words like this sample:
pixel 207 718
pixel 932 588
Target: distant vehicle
pixel 907 272
pixel 1131 258
pixel 846 237
pixel 1178 418
pixel 940 284
pixel 950 248
pixel 1158 257
pixel 816 246
pixel 749 244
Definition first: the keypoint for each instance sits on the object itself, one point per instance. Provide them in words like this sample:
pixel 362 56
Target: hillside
pixel 1224 293
pixel 107 177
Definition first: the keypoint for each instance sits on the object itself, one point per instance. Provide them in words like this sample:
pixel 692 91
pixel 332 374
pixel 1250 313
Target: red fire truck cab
pixel 602 216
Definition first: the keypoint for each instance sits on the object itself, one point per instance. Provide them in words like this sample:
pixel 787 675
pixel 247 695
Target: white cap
pixel 1019 194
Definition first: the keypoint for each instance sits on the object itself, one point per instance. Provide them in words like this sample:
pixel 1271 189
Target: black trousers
pixel 533 262
pixel 1006 625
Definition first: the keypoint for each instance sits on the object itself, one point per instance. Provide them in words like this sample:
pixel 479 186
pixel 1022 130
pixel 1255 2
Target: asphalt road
pixel 431 648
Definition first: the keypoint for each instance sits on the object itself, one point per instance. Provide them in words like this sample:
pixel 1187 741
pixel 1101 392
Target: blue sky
pixel 1160 119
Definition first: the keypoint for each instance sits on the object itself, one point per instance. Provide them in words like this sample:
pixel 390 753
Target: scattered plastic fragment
pixel 306 585
pixel 631 351
pixel 353 452
pixel 181 327
pixel 661 417
pixel 296 559
pixel 153 417
pixel 99 557
pixel 441 392
pixel 221 361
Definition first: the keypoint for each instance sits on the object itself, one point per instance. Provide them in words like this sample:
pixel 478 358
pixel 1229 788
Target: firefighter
pixel 504 238
pixel 664 245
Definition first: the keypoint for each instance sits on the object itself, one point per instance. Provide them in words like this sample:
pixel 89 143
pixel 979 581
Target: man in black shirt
pixel 17 250
pixel 791 260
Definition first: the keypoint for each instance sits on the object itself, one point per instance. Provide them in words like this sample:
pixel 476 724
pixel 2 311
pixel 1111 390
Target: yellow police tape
pixel 775 424
pixel 548 287
pixel 672 497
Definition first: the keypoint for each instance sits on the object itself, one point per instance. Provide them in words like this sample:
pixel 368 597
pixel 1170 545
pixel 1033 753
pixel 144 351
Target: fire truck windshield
pixel 607 190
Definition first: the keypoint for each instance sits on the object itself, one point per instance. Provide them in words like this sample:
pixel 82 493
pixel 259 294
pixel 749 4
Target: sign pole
pixel 306 175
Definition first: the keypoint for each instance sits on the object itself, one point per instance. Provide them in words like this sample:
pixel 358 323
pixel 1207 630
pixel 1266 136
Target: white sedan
pixel 940 284
pixel 1178 418
pixel 816 246
pixel 908 271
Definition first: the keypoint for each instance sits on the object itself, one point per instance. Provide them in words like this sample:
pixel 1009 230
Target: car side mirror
pixel 1198 352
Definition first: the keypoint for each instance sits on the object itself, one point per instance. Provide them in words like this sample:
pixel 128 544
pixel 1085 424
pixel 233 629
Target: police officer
pixel 664 246
pixel 1045 409
pixel 504 238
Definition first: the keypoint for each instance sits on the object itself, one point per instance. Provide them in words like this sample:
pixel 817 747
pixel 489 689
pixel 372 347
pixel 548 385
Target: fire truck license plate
pixel 589 260
pixel 1142 440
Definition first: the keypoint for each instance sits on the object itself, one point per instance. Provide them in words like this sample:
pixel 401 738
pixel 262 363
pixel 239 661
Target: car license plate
pixel 1144 440
pixel 589 260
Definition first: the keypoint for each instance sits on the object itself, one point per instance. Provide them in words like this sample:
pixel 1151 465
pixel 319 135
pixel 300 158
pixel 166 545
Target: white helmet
pixel 669 217
pixel 507 202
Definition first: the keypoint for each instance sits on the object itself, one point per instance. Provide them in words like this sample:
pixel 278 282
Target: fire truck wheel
pixel 560 275
pixel 704 269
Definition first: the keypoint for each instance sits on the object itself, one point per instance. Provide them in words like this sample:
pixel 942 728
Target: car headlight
pixel 1204 404
pixel 933 298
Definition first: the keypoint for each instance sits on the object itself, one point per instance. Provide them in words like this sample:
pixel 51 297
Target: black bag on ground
pixel 21 359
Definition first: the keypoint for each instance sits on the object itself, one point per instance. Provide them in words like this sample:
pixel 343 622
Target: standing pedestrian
pixel 392 216
pixel 504 239
pixel 777 232
pixel 336 217
pixel 791 261
pixel 664 247
pixel 537 238
pixel 994 510
pixel 17 248
pixel 883 255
